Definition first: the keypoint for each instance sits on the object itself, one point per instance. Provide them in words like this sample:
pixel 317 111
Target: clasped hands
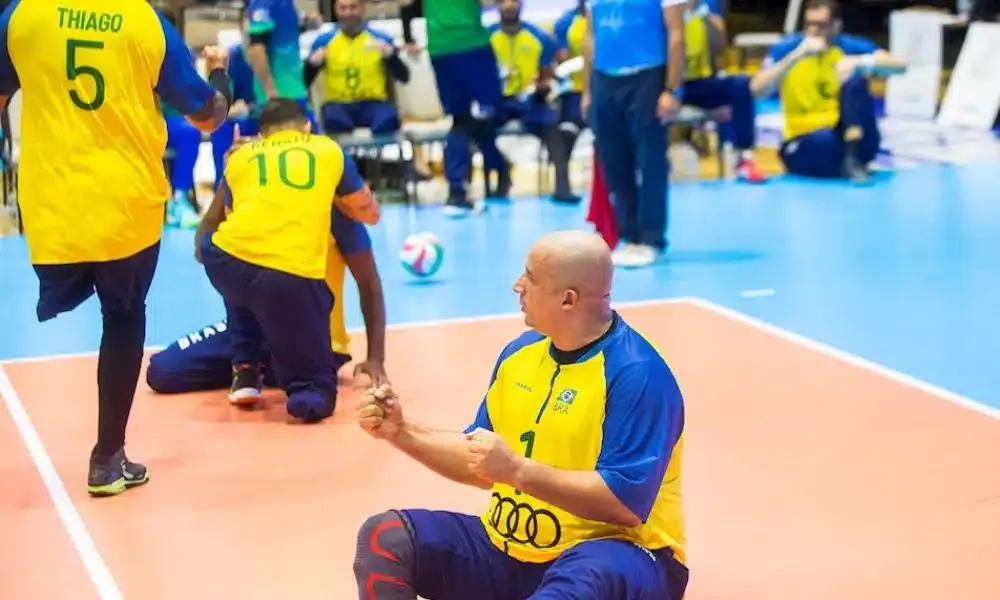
pixel 487 455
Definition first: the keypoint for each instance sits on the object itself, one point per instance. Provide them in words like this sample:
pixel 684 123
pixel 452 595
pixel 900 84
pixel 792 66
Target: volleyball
pixel 422 254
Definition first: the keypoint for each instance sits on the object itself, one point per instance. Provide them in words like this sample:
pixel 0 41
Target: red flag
pixel 601 213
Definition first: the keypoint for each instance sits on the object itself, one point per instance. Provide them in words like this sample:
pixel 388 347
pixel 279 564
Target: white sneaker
pixel 622 254
pixel 638 256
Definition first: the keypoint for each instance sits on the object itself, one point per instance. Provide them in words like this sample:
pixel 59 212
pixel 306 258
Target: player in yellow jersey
pixel 579 437
pixel 92 188
pixel 203 359
pixel 265 245
pixel 821 75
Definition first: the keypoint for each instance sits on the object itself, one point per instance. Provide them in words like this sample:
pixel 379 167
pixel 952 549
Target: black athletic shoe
pixel 112 476
pixel 248 382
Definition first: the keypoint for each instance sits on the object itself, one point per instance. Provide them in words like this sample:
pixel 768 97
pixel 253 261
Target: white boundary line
pixel 847 358
pixel 93 562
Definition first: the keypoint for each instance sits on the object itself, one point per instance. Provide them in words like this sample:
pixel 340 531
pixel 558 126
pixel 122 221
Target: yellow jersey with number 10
pixel 282 190
pixel 92 74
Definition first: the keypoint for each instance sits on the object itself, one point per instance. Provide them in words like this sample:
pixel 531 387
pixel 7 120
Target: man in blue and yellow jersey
pixel 831 129
pixel 704 36
pixel 91 184
pixel 580 438
pixel 526 55
pixel 355 62
pixel 241 112
pixel 203 359
pixel 467 76
pixel 569 31
pixel 265 246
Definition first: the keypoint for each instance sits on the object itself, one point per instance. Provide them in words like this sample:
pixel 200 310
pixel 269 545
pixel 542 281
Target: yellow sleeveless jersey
pixel 521 56
pixel 282 192
pixel 810 90
pixel 616 410
pixel 92 74
pixel 354 69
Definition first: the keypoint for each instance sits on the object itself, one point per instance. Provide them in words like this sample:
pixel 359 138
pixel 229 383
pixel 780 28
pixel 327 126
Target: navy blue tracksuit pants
pixel 631 144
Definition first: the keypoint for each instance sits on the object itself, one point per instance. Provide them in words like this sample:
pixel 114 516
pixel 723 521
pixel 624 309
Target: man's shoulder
pixel 528 338
pixel 630 352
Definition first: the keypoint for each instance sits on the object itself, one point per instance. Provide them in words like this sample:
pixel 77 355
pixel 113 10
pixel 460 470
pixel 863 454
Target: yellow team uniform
pixel 567 416
pixel 336 269
pixel 92 186
pixel 521 56
pixel 810 90
pixel 698 53
pixel 282 190
pixel 353 70
pixel 570 31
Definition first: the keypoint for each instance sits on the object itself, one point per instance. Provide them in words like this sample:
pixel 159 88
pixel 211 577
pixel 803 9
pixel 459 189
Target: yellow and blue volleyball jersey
pixel 521 55
pixel 698 44
pixel 348 237
pixel 810 90
pixel 354 70
pixel 92 75
pixel 570 31
pixel 280 192
pixel 617 410
pixel 279 21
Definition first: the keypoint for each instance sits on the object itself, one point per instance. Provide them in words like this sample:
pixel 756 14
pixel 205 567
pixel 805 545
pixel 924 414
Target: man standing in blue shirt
pixel 635 60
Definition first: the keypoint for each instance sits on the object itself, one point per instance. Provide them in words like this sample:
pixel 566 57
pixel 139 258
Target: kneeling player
pixel 203 360
pixel 265 243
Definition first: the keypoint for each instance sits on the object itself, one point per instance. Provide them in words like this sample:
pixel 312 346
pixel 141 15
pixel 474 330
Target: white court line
pixel 848 358
pixel 758 293
pixel 93 562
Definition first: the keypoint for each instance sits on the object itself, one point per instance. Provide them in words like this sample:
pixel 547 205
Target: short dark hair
pixel 282 111
pixel 832 5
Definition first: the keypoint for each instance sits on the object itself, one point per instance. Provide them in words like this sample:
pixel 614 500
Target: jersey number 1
pixel 310 179
pixel 75 70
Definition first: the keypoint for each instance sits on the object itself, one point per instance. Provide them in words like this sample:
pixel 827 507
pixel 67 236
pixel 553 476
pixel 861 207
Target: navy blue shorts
pixel 466 77
pixel 202 361
pixel 121 285
pixel 291 314
pixel 455 560
pixel 377 115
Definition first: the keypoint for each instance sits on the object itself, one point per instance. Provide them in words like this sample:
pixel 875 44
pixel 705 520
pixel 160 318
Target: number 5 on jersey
pixel 77 67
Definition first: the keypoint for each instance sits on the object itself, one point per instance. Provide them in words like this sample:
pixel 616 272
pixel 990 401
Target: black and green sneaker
pixel 115 475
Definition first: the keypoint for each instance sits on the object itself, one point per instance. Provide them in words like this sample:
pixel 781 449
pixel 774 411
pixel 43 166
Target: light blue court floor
pixel 905 273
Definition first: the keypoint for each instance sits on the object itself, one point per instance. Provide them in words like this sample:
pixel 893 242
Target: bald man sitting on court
pixel 579 438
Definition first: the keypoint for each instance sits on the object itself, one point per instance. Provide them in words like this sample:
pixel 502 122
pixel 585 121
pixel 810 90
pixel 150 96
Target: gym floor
pixel 837 348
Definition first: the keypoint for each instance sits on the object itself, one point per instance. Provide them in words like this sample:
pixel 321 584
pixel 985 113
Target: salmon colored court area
pixel 807 476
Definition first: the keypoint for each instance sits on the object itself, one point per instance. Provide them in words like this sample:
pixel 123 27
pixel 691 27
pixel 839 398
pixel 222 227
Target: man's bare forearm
pixel 443 452
pixel 676 58
pixel 257 55
pixel 582 493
